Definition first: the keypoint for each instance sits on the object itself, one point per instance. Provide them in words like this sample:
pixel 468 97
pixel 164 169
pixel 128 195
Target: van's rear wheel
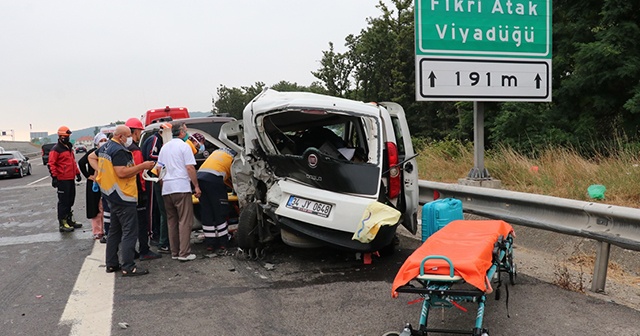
pixel 247 235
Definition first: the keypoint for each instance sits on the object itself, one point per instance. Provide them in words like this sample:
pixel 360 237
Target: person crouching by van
pixel 63 168
pixel 179 162
pixel 93 199
pixel 214 177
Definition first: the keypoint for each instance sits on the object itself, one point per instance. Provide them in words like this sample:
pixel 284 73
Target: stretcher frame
pixel 438 291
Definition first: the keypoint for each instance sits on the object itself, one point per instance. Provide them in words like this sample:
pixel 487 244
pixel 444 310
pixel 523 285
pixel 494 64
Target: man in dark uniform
pixel 135 125
pixel 156 214
pixel 63 169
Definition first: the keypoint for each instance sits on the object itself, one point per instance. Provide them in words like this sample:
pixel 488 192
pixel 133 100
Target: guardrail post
pixel 600 267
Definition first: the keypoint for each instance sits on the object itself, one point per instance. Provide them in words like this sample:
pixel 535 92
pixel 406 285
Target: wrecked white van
pixel 310 166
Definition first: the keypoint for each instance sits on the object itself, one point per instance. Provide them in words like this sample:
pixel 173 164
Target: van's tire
pixel 247 235
pixel 390 249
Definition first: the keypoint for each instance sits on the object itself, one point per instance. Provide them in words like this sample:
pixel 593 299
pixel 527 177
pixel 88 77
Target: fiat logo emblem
pixel 312 160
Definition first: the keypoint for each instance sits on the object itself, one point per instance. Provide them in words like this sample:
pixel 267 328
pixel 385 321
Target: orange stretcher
pixel 464 253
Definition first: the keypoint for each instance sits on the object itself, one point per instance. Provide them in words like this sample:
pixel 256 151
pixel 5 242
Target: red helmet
pixel 64 131
pixel 134 123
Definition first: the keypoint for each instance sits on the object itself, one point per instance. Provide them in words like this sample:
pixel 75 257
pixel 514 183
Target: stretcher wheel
pixel 513 275
pixel 480 332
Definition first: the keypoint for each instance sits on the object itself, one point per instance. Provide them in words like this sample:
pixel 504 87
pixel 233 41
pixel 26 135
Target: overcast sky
pixel 83 63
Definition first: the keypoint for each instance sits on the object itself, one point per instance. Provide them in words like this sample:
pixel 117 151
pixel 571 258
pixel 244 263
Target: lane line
pixel 89 309
pixel 34 182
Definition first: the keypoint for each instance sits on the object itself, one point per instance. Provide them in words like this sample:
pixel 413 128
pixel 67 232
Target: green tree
pixel 379 65
pixel 233 100
pixel 596 69
pixel 335 72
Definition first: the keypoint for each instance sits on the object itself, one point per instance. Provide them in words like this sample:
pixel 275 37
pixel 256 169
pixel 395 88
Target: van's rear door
pixel 406 155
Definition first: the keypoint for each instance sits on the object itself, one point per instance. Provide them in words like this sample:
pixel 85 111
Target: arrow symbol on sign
pixel 538 80
pixel 432 79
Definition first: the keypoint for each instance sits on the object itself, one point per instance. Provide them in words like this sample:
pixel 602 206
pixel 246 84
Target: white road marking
pixel 34 182
pixel 90 307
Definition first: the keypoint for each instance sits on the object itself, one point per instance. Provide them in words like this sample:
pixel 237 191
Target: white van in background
pixel 309 166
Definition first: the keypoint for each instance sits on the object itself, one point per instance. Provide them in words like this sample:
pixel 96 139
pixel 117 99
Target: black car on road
pixel 13 163
pixel 81 149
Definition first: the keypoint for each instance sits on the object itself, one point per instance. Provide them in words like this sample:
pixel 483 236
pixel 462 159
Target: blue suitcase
pixel 438 213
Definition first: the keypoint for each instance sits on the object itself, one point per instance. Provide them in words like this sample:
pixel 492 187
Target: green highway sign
pixel 484 28
pixel 483 50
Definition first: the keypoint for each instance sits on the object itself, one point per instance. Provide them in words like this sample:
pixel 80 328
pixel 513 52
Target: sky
pixel 84 63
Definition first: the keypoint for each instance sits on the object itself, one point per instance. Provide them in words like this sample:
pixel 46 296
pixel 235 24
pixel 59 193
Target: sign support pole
pixel 478 172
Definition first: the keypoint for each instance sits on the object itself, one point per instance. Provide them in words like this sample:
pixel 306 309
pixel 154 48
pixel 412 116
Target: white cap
pixel 99 137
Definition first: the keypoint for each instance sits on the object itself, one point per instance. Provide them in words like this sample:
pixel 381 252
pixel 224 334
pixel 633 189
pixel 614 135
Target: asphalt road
pixel 290 292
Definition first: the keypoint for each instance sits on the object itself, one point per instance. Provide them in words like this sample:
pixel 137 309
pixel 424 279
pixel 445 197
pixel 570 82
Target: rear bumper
pixel 9 171
pixel 339 239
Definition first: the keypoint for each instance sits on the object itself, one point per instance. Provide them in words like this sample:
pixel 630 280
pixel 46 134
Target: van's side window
pixel 399 137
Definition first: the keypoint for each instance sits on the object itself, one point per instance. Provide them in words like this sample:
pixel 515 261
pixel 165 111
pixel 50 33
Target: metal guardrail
pixel 32 155
pixel 607 224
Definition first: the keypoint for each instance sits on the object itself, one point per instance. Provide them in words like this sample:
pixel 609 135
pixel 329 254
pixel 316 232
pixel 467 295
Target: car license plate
pixel 309 206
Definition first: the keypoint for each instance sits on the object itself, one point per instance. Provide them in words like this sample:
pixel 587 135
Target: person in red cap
pixel 63 169
pixel 143 195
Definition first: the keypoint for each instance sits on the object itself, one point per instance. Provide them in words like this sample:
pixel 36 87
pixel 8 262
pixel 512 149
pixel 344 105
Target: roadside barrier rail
pixel 607 224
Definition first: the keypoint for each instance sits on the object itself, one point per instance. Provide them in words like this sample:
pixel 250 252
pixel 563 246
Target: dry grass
pixel 564 279
pixel 560 172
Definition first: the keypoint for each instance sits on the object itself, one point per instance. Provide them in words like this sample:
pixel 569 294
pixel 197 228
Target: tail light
pixel 394 170
pixel 13 162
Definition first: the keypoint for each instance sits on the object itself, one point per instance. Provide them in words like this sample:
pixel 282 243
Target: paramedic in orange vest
pixel 117 176
pixel 63 169
pixel 214 178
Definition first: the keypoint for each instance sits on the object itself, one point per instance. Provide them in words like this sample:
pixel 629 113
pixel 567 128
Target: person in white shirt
pixel 179 162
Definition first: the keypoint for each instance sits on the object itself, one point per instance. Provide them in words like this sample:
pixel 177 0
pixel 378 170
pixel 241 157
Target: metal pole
pixel 478 172
pixel 600 267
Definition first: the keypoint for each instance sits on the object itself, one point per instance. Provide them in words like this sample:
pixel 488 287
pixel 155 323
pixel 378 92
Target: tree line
pixel 595 76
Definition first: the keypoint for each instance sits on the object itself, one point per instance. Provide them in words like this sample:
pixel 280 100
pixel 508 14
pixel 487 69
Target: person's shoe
pixel 103 240
pixel 137 270
pixel 164 249
pixel 111 269
pixel 188 258
pixel 64 226
pixel 224 251
pixel 174 257
pixel 150 256
pixel 72 221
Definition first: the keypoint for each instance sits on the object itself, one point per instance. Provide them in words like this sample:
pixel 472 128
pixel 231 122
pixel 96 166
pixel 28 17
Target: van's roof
pixel 270 100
